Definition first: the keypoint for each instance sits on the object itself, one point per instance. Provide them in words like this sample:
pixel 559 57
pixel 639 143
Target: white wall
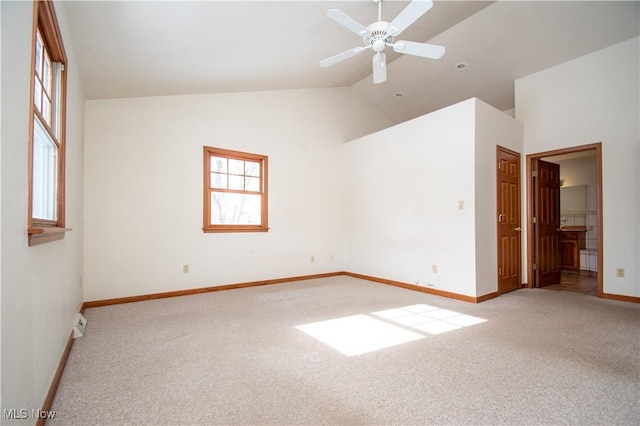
pixel 580 171
pixel 41 290
pixel 143 182
pixel 403 188
pixel 595 98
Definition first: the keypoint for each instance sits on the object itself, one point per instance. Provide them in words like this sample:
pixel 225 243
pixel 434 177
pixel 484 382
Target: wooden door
pixel 509 220
pixel 547 223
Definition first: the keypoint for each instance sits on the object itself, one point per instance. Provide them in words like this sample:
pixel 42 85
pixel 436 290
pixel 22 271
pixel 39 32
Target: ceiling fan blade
pixel 342 56
pixel 425 50
pixel 348 22
pixel 408 16
pixel 379 68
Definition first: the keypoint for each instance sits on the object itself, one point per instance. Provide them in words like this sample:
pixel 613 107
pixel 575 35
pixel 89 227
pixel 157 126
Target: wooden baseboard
pixel 53 388
pixel 130 299
pixel 117 301
pixel 620 297
pixel 486 297
pixel 429 290
pixel 443 293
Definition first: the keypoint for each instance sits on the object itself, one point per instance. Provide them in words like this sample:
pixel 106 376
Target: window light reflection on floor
pixel 430 319
pixel 359 334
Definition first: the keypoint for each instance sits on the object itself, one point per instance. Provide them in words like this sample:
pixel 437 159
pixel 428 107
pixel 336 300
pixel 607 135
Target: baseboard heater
pixel 78 326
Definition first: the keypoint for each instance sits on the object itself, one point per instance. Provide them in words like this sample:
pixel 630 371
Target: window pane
pixel 252 168
pixel 236 166
pixel 235 209
pixel 39 56
pixel 46 110
pixel 46 72
pixel 253 184
pixel 37 95
pixel 218 180
pixel 218 164
pixel 45 171
pixel 236 182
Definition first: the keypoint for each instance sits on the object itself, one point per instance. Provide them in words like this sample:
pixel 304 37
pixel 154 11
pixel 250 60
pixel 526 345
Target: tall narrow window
pixel 235 191
pixel 46 220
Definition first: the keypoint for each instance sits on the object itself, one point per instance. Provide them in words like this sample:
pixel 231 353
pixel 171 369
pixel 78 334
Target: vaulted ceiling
pixel 153 48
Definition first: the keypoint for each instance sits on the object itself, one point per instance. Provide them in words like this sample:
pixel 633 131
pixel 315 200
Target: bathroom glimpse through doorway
pixel 545 251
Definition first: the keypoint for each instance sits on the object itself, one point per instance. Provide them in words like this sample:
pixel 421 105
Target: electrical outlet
pixel 313 259
pixel 332 258
pixel 185 269
pixel 434 269
pixel 461 205
pixel 620 272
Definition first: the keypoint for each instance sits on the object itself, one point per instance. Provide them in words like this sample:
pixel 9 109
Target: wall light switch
pixel 461 205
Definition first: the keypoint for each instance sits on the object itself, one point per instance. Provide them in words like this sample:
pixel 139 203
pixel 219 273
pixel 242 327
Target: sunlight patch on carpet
pixel 430 319
pixel 358 334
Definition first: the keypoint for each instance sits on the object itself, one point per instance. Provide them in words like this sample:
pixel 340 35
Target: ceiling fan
pixel 380 34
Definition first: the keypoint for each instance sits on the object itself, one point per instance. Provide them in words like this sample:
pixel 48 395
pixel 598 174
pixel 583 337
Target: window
pixel 235 191
pixel 46 221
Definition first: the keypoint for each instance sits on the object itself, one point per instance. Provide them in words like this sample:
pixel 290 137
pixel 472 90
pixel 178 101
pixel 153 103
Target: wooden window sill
pixel 46 234
pixel 235 229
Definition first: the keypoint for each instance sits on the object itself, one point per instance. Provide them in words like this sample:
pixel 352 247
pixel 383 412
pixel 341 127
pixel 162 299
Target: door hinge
pixel 499 272
pixel 535 267
pixel 535 220
pixel 534 173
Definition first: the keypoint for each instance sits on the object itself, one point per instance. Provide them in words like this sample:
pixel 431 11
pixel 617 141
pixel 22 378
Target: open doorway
pixel 564 239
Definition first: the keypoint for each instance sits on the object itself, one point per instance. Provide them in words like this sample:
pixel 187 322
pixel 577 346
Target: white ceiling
pixel 153 48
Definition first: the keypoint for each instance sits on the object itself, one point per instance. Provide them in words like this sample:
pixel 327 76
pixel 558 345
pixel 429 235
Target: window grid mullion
pixel 47 128
pixel 236 191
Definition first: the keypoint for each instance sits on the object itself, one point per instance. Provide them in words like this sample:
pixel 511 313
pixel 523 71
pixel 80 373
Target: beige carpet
pixel 346 351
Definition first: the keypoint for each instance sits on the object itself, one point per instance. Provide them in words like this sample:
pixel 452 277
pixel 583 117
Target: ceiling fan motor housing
pixel 378 36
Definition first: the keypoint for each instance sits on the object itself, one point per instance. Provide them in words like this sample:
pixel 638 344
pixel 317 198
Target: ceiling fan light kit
pixel 380 34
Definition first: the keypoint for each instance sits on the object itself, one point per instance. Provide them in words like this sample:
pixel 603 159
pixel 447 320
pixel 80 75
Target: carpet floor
pixel 346 351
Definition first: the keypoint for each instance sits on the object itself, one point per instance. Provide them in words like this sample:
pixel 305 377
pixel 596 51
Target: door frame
pixel 531 277
pixel 518 216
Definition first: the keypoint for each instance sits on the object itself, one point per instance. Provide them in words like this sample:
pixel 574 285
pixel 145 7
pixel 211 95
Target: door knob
pixel 517 229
